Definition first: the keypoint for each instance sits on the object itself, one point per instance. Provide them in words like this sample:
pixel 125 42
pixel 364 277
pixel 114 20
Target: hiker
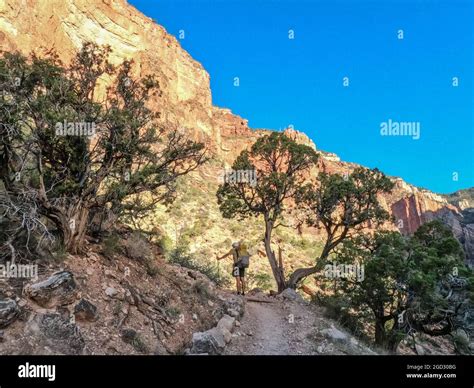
pixel 241 258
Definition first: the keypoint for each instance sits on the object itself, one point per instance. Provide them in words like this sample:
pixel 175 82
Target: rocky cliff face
pixel 66 24
pixel 410 212
pixel 186 100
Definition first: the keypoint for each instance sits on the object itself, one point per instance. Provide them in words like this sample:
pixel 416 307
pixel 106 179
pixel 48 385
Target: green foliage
pixel 345 202
pixel 111 245
pixel 200 288
pixel 417 278
pixel 341 205
pixel 180 256
pixel 59 253
pixel 165 243
pixel 123 164
pixel 173 312
pixel 197 229
pixel 280 164
pixel 339 309
pixel 260 280
pixel 139 345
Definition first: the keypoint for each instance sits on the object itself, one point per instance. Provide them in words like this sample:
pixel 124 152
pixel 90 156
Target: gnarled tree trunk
pixel 299 275
pixel 71 224
pixel 277 271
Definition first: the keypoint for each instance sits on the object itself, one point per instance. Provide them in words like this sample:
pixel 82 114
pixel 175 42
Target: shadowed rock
pixel 58 290
pixel 9 311
pixel 57 333
pixel 85 311
pixel 210 342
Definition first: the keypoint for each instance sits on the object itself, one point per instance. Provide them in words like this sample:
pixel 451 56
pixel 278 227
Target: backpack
pixel 244 261
pixel 244 256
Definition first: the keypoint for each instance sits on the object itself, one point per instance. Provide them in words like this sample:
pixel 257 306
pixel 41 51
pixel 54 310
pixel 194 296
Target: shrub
pixel 60 253
pixel 111 245
pixel 173 312
pixel 180 256
pixel 138 248
pixel 200 288
pixel 151 268
pixel 165 243
pixel 261 280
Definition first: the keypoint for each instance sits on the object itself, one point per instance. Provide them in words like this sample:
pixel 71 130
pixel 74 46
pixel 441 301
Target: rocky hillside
pixel 124 298
pixel 119 298
pixel 186 102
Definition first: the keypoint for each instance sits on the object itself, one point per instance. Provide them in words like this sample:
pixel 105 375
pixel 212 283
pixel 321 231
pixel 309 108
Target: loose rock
pixel 85 311
pixel 334 334
pixel 211 341
pixel 226 323
pixel 58 290
pixel 9 312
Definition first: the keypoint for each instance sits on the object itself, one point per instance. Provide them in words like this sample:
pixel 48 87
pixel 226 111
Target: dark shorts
pixel 238 272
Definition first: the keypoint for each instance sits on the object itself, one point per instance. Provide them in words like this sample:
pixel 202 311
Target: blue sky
pixel 299 81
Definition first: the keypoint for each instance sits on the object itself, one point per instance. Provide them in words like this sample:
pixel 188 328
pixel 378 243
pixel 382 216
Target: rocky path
pixel 264 331
pixel 288 326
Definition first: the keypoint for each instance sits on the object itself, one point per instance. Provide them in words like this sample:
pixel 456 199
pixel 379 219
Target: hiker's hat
pixel 235 244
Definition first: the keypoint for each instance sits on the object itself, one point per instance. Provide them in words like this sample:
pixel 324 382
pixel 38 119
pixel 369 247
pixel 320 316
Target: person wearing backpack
pixel 241 257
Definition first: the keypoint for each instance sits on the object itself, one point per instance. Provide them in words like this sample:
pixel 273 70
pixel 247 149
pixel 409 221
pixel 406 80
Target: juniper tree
pixel 414 284
pixel 281 166
pixel 343 206
pixel 47 111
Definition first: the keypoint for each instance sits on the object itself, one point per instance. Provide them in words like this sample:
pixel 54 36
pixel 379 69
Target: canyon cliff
pixel 186 99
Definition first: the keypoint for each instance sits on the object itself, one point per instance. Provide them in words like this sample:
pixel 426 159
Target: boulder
pixel 85 311
pixel 56 333
pixel 9 312
pixel 334 334
pixel 290 294
pixel 227 335
pixel 226 323
pixel 234 306
pixel 161 350
pixel 233 313
pixel 211 342
pixel 256 292
pixel 58 290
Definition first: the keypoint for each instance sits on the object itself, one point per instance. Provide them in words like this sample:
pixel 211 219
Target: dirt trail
pixel 265 330
pixel 289 327
pixel 276 328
